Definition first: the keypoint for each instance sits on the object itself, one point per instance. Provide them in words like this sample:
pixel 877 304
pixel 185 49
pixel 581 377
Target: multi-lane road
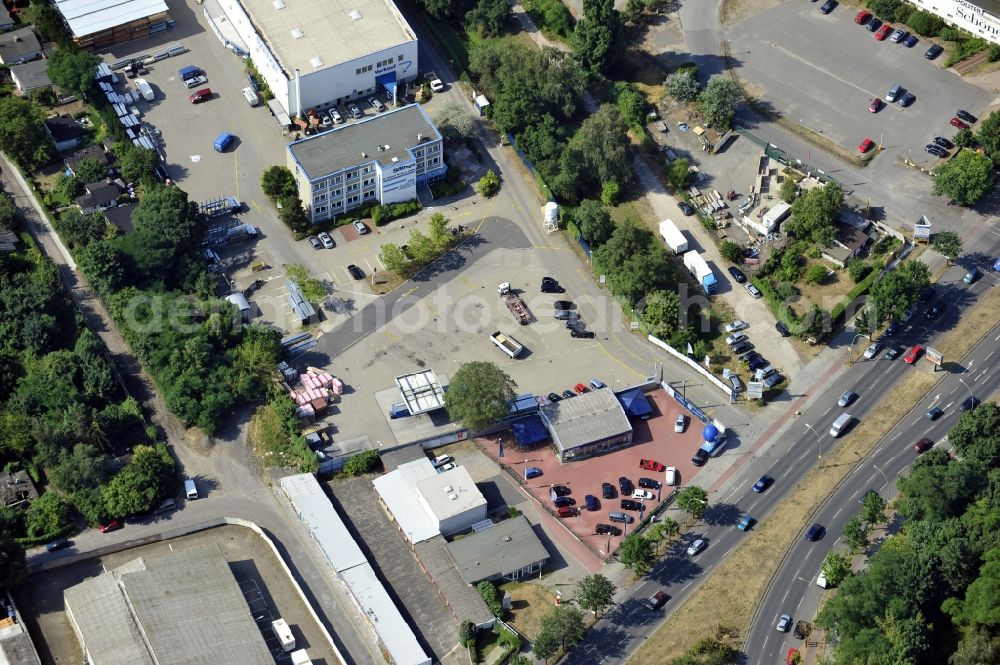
pixel 624 628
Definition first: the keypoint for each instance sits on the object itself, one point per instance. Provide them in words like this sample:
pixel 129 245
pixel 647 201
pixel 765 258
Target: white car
pixel 335 114
pixel 325 238
pixel 736 325
pixel 735 338
pixel 671 478
pixel 360 227
pixel 872 350
pixel 441 460
pixel 680 423
pixel 446 467
pixel 642 494
pixel 784 621
pixel 696 547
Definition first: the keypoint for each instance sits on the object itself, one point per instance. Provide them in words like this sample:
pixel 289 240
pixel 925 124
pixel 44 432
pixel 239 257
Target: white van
pixel 840 424
pixel 190 489
pixel 252 98
pixel 821 580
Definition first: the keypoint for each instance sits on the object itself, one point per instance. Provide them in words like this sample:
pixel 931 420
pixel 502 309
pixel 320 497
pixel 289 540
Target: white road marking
pixel 990 356
pixel 828 411
pixel 838 512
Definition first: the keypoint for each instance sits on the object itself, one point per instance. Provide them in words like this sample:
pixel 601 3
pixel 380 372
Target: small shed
pixel 635 404
pixel 480 102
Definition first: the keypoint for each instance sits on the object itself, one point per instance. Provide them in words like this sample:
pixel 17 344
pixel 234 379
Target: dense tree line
pixel 930 593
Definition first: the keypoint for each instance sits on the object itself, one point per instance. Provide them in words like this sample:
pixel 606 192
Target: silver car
pixel 846 399
pixel 696 547
pixel 872 350
pixel 784 621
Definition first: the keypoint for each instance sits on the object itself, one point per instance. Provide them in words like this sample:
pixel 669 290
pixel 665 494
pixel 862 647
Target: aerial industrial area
pixel 473 331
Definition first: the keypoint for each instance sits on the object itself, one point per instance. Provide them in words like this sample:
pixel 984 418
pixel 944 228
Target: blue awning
pixel 635 404
pixel 529 430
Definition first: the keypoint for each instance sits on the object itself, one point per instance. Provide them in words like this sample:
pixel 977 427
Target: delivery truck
pixel 700 270
pixel 673 237
pixel 507 344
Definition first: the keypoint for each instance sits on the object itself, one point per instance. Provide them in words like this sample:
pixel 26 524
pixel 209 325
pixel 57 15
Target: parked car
pixel 680 423
pixel 579 389
pixel 696 547
pixel 759 362
pixel 955 122
pixel 913 354
pixel 376 104
pixel 356 272
pixel 873 25
pixel 828 6
pixel 934 413
pixel 560 501
pixel 608 490
pixel 671 476
pixel 629 504
pixel 892 353
pixel 898 35
pixel 550 285
pixel 642 494
pixel 762 484
pixel 971 276
pixel 685 208
pixel 782 329
pixel 910 41
pixel 737 275
pixel 568 393
pixel 735 382
pixel 57 544
pixel 582 334
pixel 200 96
pixel 353 109
pixel 754 291
pixel 657 600
pixel 815 532
pixel 746 523
pixel 624 485
pixel 649 483
pixel 553 397
pixel 111 525
pixel 561 490
pixel 736 325
pixel 650 465
pixel 325 238
pixel 872 350
pixel 608 530
pixel 742 347
pixel 934 51
pixel 699 458
pixel 325 120
pixel 883 32
pixel 966 116
pixel 566 511
pixel 335 115
pixel 947 145
pixel 563 304
pixel 876 105
pixel 892 329
pixel 862 16
pixel 360 227
pixel 923 445
pixel 906 99
pixel 865 146
pixel 315 242
pixel 735 337
pixel 935 150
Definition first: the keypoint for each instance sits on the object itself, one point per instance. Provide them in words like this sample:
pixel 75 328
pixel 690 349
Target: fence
pixel 782 157
pixel 546 192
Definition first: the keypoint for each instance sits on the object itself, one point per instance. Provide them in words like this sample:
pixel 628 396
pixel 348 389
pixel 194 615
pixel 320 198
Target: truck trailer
pixel 673 237
pixel 697 267
pixel 507 344
pixel 514 303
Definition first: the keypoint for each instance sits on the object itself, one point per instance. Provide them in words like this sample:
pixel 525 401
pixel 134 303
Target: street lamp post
pixel 971 394
pixel 818 440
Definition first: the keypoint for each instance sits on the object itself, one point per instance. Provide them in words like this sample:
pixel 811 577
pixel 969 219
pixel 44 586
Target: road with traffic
pixel 799 448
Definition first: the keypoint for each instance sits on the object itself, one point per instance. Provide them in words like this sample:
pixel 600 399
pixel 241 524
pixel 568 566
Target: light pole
pixel 818 440
pixel 971 394
pixel 850 349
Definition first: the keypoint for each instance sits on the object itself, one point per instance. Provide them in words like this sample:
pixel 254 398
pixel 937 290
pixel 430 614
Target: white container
pixel 284 634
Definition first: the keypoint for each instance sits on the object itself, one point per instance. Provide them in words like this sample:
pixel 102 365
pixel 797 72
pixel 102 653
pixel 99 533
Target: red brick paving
pixel 653 439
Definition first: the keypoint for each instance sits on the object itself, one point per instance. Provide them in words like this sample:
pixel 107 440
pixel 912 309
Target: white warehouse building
pixel 315 54
pixel 981 17
pixel 381 158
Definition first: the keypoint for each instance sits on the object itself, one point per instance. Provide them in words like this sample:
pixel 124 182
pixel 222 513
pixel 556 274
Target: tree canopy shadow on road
pixel 453 260
pixel 722 514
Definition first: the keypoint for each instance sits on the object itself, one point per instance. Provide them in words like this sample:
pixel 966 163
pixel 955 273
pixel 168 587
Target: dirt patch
pixel 734 11
pixel 731 593
pixel 826 294
pixel 529 603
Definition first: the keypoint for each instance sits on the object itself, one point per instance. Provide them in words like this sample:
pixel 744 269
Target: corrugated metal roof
pixel 86 17
pixel 508 546
pixel 421 391
pixel 324 525
pixel 398 490
pixel 392 629
pixel 586 418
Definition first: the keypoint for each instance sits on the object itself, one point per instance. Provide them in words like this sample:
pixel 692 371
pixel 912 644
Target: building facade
pixel 314 55
pixel 381 158
pixel 981 18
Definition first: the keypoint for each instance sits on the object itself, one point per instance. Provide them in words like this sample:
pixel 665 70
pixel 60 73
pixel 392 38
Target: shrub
pixel 924 23
pixel 364 462
pixel 467 632
pixel 489 184
pixel 815 274
pixel 814 252
pixel 551 17
pixel 994 53
pixel 489 593
pixel 885 9
pixel 785 291
pixel 858 269
pixel 732 252
pixel 610 192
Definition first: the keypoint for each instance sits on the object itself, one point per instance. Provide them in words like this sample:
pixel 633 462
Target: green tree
pixel 732 252
pixel 488 18
pixel 313 289
pixel 440 235
pixel 642 273
pixel 964 138
pixel 631 103
pixel 899 289
pixel 597 36
pixel 479 395
pixel 858 269
pixel 965 178
pixel 628 239
pixel 82 468
pixel 873 508
pixel 816 274
pixel 101 261
pixel 136 164
pixel 678 174
pixel 22 132
pixel 682 86
pixel 595 593
pixel 466 632
pixel 454 122
pixel 47 515
pixel 836 568
pixel 813 214
pixel 165 218
pixel 362 463
pixel 789 188
pixel 610 192
pixel 490 595
pixel 47 21
pixel 662 313
pixel 924 23
pixel 597 153
pixel 394 259
pixel 720 100
pixel 594 222
pixel 278 183
pixel 148 477
pixel 90 170
pixel 948 244
pixel 489 184
pixel 855 535
pixel 292 214
pixel 976 435
pixel 976 648
pixel 79 230
pixel 565 624
pixel 981 606
pixel 14 568
pixel 693 500
pixel 8 212
pixel 637 553
pixel 421 248
pixel 988 136
pixel 73 69
pixel 545 645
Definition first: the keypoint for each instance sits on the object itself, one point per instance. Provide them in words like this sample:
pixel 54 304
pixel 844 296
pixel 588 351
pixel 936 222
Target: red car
pixel 566 511
pixel 865 146
pixel 113 525
pixel 862 16
pixel 580 389
pixel 914 353
pixel 955 122
pixel 876 105
pixel 883 32
pixel 651 465
pixel 923 445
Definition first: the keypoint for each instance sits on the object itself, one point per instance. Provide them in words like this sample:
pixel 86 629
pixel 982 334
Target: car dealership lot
pixel 823 72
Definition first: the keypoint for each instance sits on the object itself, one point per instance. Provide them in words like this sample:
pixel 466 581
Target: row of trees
pixel 929 594
pixel 718 102
pixel 420 249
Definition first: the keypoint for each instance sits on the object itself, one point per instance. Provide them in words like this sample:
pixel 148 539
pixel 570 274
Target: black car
pixel 758 363
pixel 568 393
pixel 933 52
pixel 935 150
pixel 685 208
pixel 943 142
pixel 356 272
pixel 57 544
pixel 700 457
pixel 737 274
pixel 969 404
pixel 748 358
pixel 966 116
pixel 624 486
pixel 561 490
pixel 649 483
pixel 607 529
pixel 742 347
pixel 629 504
pixel 563 501
pixel 934 311
pixel 815 532
pixel 554 397
pixel 828 6
pixel 782 329
pixel 608 490
pixel 873 25
pixel 582 334
pixel 550 285
pixel 563 304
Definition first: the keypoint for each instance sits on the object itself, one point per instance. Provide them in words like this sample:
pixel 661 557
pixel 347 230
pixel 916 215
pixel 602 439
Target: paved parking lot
pixel 357 503
pixel 823 71
pixel 654 439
